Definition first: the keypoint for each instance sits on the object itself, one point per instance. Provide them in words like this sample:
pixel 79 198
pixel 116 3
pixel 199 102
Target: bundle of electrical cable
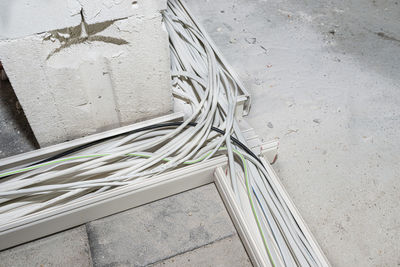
pixel 209 92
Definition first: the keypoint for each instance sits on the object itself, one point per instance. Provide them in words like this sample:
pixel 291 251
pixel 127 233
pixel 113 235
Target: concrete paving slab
pixel 68 248
pixel 161 229
pixel 228 252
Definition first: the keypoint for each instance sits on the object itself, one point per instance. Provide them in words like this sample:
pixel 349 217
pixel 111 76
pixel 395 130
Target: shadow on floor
pixel 16 135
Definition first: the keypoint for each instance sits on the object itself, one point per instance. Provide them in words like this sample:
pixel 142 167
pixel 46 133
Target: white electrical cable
pixel 202 83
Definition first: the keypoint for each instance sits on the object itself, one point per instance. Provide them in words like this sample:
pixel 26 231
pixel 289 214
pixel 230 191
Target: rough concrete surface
pixel 324 79
pixel 106 71
pixel 20 18
pixel 228 252
pixel 69 248
pixel 24 17
pixel 162 229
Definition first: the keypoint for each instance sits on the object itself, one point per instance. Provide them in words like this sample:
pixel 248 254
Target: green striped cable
pixel 252 205
pixel 90 156
pixel 165 159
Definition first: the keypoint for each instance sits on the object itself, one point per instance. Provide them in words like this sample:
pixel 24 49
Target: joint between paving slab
pixel 90 247
pixel 192 249
pixel 164 259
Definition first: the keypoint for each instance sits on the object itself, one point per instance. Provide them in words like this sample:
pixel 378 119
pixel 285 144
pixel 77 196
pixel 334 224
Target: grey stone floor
pixel 324 77
pixel 188 229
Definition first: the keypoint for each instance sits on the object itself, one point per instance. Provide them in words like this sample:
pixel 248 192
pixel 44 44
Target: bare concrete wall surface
pixel 324 77
pixel 21 18
pixel 107 69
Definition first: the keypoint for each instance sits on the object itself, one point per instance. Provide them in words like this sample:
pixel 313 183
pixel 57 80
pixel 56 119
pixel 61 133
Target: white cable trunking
pixel 67 215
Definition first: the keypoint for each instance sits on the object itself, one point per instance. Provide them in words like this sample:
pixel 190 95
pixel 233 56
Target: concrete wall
pixel 79 67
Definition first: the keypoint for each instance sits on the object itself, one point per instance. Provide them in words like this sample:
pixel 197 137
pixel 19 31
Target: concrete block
pixel 68 248
pixel 21 18
pixel 228 252
pixel 95 12
pixel 83 79
pixel 160 230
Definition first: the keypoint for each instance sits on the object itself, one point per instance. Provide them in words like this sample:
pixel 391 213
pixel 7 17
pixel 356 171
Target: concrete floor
pixel 324 77
pixel 324 80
